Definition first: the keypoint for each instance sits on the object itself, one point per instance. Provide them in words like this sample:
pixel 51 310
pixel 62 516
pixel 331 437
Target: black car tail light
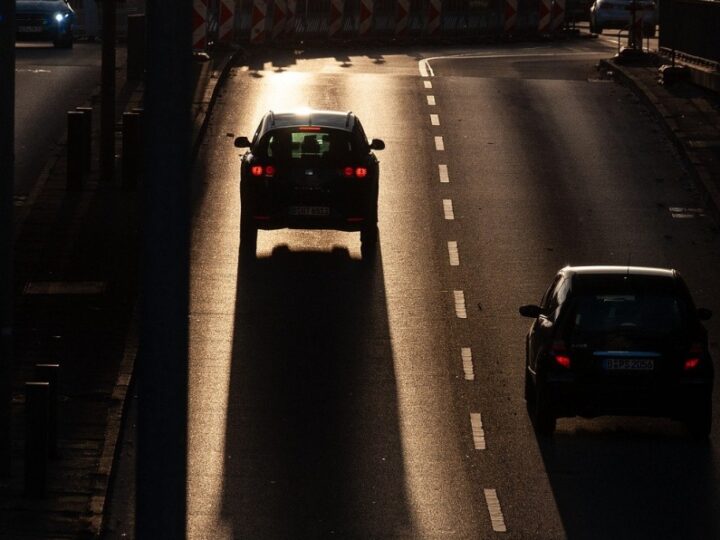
pixel 356 172
pixel 693 358
pixel 560 353
pixel 259 170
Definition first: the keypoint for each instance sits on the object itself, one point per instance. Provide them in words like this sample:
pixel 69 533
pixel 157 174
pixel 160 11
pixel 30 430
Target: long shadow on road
pixel 312 429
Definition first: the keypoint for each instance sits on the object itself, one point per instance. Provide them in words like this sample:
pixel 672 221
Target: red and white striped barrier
pixel 510 14
pixel 366 16
pixel 402 17
pixel 558 15
pixel 434 14
pixel 279 19
pixel 337 10
pixel 226 21
pixel 291 17
pixel 544 16
pixel 199 25
pixel 259 16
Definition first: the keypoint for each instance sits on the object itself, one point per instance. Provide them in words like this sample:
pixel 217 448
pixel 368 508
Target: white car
pixel 617 14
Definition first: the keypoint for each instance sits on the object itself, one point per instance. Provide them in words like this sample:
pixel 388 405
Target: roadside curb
pixel 703 177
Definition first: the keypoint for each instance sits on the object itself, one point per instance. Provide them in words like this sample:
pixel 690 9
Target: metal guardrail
pixel 691 27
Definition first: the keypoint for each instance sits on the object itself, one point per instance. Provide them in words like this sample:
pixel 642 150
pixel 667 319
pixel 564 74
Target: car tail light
pixel 348 172
pixel 560 354
pixel 259 170
pixel 361 172
pixel 357 172
pixel 693 359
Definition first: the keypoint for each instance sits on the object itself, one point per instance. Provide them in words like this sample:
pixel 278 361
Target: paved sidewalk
pixel 689 113
pixel 76 282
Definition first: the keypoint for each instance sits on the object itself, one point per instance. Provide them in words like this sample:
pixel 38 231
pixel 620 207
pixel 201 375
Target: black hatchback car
pixel 45 20
pixel 609 340
pixel 309 170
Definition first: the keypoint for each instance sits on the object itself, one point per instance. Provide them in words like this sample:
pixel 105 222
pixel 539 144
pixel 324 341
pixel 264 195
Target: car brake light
pixel 693 359
pixel 309 128
pixel 559 352
pixel 361 172
pixel 256 170
pixel 348 171
pixel 357 172
pixel 270 170
pixel 691 363
pixel 259 170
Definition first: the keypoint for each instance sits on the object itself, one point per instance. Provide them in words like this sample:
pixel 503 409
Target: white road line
pixel 444 177
pixel 685 213
pixel 496 516
pixel 427 84
pixel 448 209
pixel 460 310
pixel 439 144
pixel 434 119
pixel 431 100
pixel 466 354
pixel 453 253
pixel 425 69
pixel 478 432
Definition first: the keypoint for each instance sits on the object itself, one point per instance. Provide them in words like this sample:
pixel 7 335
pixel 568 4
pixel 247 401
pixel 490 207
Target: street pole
pixel 7 188
pixel 163 362
pixel 107 101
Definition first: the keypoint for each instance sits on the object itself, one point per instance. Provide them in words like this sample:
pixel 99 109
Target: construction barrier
pixel 366 17
pixel 544 16
pixel 279 20
pixel 434 14
pixel 199 25
pixel 259 22
pixel 226 21
pixel 402 19
pixel 291 22
pixel 511 16
pixel 337 13
pixel 558 15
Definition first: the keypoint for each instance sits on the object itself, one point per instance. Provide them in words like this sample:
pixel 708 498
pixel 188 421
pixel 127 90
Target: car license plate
pixel 629 364
pixel 309 211
pixel 30 29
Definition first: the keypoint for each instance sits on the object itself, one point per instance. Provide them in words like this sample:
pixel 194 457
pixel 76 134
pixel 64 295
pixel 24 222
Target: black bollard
pixel 131 149
pixel 36 437
pixel 87 137
pixel 75 168
pixel 51 374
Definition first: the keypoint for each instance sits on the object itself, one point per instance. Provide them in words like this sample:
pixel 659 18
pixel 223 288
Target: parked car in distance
pixel 617 14
pixel 45 20
pixel 309 170
pixel 618 340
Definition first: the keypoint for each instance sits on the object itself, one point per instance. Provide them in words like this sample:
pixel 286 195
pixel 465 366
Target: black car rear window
pixel 308 143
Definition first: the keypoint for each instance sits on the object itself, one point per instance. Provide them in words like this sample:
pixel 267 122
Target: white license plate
pixel 30 29
pixel 629 364
pixel 309 211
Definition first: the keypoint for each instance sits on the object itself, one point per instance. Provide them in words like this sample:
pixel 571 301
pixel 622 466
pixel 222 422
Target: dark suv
pixel 610 340
pixel 45 20
pixel 309 170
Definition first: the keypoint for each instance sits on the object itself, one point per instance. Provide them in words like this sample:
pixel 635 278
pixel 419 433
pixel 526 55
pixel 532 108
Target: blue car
pixel 45 20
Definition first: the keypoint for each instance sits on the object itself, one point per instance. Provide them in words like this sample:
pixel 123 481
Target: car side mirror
pixel 531 311
pixel 242 142
pixel 377 144
pixel 704 314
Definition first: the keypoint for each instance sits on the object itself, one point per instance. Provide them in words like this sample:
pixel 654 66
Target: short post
pixel 87 136
pixel 36 437
pixel 131 149
pixel 75 168
pixel 50 373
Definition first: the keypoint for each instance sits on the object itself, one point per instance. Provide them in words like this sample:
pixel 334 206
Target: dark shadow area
pixel 633 484
pixel 313 444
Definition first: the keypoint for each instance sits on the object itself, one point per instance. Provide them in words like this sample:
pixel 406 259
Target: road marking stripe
pixel 460 310
pixel 496 516
pixel 425 69
pixel 444 177
pixel 466 354
pixel 453 253
pixel 448 209
pixel 477 431
pixel 428 84
pixel 434 119
pixel 439 144
pixel 431 100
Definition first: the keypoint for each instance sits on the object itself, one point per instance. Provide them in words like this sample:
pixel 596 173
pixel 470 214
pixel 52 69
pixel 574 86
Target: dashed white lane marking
pixel 685 213
pixel 460 309
pixel 448 209
pixel 466 355
pixel 439 144
pixel 444 177
pixel 434 119
pixel 453 253
pixel 496 516
pixel 431 100
pixel 427 84
pixel 425 69
pixel 477 431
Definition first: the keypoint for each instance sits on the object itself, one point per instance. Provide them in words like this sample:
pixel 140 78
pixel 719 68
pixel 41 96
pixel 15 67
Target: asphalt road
pixel 332 398
pixel 48 83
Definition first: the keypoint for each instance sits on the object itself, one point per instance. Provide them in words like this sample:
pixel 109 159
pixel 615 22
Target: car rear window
pixel 308 143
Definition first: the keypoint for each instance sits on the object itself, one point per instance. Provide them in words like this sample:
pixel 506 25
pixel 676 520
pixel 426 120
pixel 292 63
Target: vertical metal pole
pixel 163 362
pixel 7 182
pixel 107 118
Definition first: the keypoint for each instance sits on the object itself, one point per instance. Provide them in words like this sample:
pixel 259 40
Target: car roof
pixel 601 270
pixel 320 118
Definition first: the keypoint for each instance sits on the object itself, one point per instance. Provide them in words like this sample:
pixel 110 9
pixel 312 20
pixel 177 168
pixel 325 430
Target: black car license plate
pixel 309 211
pixel 629 364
